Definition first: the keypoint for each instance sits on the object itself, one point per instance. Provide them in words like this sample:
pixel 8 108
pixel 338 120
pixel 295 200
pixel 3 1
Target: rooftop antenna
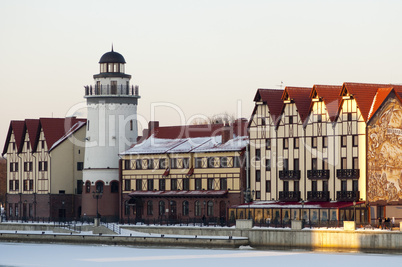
pixel 112 47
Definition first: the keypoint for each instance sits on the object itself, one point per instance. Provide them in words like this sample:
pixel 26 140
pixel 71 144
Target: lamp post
pixel 248 197
pixel 97 195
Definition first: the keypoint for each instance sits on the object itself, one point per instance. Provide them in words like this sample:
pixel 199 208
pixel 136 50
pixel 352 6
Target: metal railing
pixel 347 195
pixel 318 195
pixel 348 173
pixel 318 174
pixel 289 195
pixel 289 175
pixel 106 89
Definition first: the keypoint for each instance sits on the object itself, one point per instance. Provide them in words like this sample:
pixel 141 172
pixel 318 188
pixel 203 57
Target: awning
pixel 299 205
pixel 179 193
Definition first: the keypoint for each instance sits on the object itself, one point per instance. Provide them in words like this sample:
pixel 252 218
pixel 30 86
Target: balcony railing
pixel 106 89
pixel 318 174
pixel 347 195
pixel 289 175
pixel 289 195
pixel 348 173
pixel 318 195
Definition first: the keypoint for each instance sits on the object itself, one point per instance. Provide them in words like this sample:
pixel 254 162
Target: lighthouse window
pixel 131 125
pixel 110 67
pixel 122 68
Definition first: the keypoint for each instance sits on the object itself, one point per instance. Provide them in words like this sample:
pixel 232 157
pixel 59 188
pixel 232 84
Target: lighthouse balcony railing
pixel 106 89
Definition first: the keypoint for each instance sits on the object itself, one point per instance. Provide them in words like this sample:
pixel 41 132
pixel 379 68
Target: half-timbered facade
pixel 45 161
pixel 185 173
pixel 324 147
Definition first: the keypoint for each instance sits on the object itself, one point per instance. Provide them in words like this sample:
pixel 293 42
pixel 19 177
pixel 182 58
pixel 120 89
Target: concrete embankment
pixel 361 240
pixel 112 239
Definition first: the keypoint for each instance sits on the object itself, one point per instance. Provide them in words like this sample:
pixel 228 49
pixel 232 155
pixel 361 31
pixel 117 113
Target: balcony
pixel 318 195
pixel 289 175
pixel 289 195
pixel 318 174
pixel 347 195
pixel 117 90
pixel 348 173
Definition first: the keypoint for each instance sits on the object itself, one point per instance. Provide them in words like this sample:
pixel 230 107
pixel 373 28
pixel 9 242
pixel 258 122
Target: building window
pixel 127 185
pixel 224 162
pixel 138 164
pixel 150 208
pixel 325 163
pixel 87 187
pixel 198 162
pixel 349 116
pixel 162 184
pixel 319 118
pixel 285 164
pixel 257 194
pixel 314 142
pixel 210 185
pixel 173 163
pixel 314 164
pixel 162 163
pixel 296 143
pixel 150 164
pixel 127 164
pixel 325 141
pixel 290 119
pixel 11 185
pixel 131 125
pixel 210 209
pixel 186 184
pixel 325 185
pixel 236 162
pixel 28 166
pixel 211 162
pixel 355 184
pixel 344 185
pixel 114 187
pixel 10 209
pixel 257 175
pixel 263 121
pixel 223 184
pixel 42 165
pixel 285 143
pixel 138 184
pixel 355 163
pixel 25 185
pixel 286 186
pixel 185 206
pixel 17 185
pixel 80 165
pixel 173 184
pixel 198 184
pixel 296 186
pixel 268 144
pixel 343 163
pixel 355 140
pixel 99 187
pixel 150 184
pixel 268 165
pixel 186 163
pixel 197 208
pixel 257 154
pixel 268 186
pixel 296 164
pixel 344 140
pixel 161 207
pixel 314 186
pixel 30 185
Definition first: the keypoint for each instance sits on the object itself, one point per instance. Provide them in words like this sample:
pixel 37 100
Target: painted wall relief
pixel 384 157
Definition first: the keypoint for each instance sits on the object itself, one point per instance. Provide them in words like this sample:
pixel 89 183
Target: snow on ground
pixel 20 254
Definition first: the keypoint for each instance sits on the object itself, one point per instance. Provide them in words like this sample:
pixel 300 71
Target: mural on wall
pixel 384 157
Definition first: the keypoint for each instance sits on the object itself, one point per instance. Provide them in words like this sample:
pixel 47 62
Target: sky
pixel 190 58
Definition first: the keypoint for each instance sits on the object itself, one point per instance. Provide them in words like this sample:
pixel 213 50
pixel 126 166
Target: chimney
pixel 227 133
pixel 152 125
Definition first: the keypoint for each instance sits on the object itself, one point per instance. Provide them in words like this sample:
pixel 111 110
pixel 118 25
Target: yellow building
pixel 324 149
pixel 184 173
pixel 45 161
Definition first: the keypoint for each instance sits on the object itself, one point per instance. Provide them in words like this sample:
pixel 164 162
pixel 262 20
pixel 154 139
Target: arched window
pixel 161 207
pixel 210 209
pixel 185 208
pixel 99 187
pixel 87 187
pixel 197 208
pixel 150 208
pixel 114 187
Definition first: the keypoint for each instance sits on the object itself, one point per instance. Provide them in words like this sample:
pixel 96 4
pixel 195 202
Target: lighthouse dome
pixel 112 57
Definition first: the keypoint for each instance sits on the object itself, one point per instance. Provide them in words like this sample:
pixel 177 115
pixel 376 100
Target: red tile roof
pixel 301 97
pixel 273 98
pixel 18 127
pixel 364 94
pixel 331 97
pixel 33 129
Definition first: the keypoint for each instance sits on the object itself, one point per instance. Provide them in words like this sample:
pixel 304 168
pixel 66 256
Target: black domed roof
pixel 112 57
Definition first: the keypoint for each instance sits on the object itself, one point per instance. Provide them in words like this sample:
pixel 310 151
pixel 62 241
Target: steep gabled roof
pixel 56 128
pixel 33 129
pixel 18 127
pixel 364 94
pixel 301 97
pixel 330 94
pixel 273 99
pixel 379 98
pixel 78 125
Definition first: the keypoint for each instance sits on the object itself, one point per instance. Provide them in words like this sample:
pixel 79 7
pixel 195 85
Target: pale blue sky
pixel 201 56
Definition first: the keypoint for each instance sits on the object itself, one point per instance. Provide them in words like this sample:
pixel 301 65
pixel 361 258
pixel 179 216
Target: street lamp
pixel 248 197
pixel 97 195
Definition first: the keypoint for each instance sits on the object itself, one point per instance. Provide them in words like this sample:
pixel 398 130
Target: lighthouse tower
pixel 111 129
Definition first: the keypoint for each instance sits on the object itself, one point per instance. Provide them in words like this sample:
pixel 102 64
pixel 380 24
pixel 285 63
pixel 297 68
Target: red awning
pixel 193 193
